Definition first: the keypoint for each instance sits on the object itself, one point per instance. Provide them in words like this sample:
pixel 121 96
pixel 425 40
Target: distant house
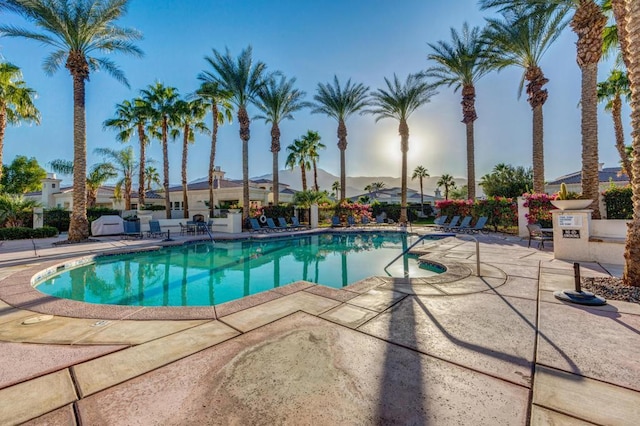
pixel 225 190
pixel 393 196
pixel 573 181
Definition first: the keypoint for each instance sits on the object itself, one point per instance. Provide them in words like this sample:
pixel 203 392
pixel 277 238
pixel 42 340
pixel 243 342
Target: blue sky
pixel 365 40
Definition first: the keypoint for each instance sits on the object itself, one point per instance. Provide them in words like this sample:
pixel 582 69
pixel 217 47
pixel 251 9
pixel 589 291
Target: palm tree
pixel 125 164
pixel 16 101
pixel 13 208
pixel 133 116
pixel 335 188
pixel 588 22
pixel 299 156
pixel 420 172
pixel 399 101
pixel 377 187
pixel 627 14
pixel 447 181
pixel 221 110
pixel 242 78
pixel 312 141
pixel 340 102
pixel 75 30
pixel 520 39
pixel 189 116
pixel 278 100
pixel 460 64
pixel 152 176
pixel 162 103
pixel 98 175
pixel 611 92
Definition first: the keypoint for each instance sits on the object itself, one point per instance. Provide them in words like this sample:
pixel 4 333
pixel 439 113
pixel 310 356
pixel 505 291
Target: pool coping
pixel 18 291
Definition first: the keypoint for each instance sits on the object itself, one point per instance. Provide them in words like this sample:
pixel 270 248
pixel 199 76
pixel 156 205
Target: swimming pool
pixel 206 274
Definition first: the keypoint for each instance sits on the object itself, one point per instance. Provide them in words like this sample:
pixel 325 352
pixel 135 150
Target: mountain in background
pixel 355 185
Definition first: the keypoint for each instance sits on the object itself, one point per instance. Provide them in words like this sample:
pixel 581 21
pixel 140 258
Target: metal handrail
pixel 440 235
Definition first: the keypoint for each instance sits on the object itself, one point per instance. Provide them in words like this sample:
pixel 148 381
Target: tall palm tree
pixel 398 101
pixel 221 112
pixel 125 164
pixel 335 188
pixel 312 141
pixel 340 102
pixel 611 92
pixel 420 172
pixel 448 182
pixel 98 175
pixel 627 14
pixel 242 78
pixel 278 100
pixel 151 176
pixel 299 156
pixel 520 39
pixel 162 103
pixel 460 64
pixel 132 116
pixel 16 101
pixel 190 116
pixel 76 29
pixel 588 22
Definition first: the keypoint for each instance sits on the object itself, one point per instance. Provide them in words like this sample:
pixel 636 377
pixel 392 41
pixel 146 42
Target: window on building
pixel 53 185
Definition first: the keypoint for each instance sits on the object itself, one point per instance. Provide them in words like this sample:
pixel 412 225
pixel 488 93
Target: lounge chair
pixel 296 224
pixel 282 222
pixel 479 226
pixel 131 229
pixel 462 227
pixel 380 220
pixel 537 234
pixel 364 221
pixel 255 226
pixel 335 222
pixel 272 226
pixel 438 222
pixel 454 222
pixel 155 230
pixel 351 221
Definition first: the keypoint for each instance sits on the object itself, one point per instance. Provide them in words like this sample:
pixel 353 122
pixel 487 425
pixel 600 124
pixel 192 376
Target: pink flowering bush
pixel 539 208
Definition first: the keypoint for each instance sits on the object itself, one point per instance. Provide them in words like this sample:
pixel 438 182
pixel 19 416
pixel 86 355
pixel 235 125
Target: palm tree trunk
pixel 315 175
pixel 619 12
pixel 632 248
pixel 212 155
pixel 127 192
pixel 468 117
pixel 616 113
pixel 3 126
pixel 404 147
pixel 185 189
pixel 588 23
pixel 303 170
pixel 142 165
pixel 79 225
pixel 421 197
pixel 275 149
pixel 537 98
pixel 342 146
pixel 243 119
pixel 165 166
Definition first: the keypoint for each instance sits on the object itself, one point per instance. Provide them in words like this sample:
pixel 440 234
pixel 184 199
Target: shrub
pixel 500 211
pixel 20 233
pixel 58 218
pixel 539 208
pixel 154 207
pixel 274 212
pixel 618 202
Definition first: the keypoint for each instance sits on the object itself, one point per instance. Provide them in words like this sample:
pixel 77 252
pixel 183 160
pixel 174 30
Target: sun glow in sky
pixel 365 40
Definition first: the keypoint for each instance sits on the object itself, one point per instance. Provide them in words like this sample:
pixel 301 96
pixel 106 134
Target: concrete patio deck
pixel 455 349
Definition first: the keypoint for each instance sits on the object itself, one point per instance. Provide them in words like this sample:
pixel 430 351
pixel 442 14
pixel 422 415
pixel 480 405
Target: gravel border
pixel 612 288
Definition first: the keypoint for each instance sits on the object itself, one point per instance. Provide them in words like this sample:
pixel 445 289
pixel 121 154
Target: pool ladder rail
pixel 443 235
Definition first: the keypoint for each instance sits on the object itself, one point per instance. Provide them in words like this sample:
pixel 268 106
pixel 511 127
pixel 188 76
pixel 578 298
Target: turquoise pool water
pixel 207 274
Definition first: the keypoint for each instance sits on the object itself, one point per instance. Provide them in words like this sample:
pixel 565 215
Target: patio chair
pixel 131 229
pixel 295 223
pixel 155 230
pixel 454 222
pixel 272 226
pixel 255 226
pixel 380 220
pixel 438 222
pixel 351 221
pixel 537 234
pixel 462 227
pixel 282 222
pixel 479 227
pixel 364 221
pixel 335 222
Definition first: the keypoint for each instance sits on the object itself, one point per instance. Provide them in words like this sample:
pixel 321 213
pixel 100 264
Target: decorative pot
pixel 571 204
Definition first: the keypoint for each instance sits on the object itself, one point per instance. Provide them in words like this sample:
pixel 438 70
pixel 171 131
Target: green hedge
pixel 59 218
pixel 500 211
pixel 618 202
pixel 20 233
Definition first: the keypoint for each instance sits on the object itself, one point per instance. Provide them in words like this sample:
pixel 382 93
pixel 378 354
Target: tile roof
pixel 606 174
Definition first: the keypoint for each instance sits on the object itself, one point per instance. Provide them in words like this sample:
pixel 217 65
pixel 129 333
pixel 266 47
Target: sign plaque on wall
pixel 570 221
pixel 571 233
